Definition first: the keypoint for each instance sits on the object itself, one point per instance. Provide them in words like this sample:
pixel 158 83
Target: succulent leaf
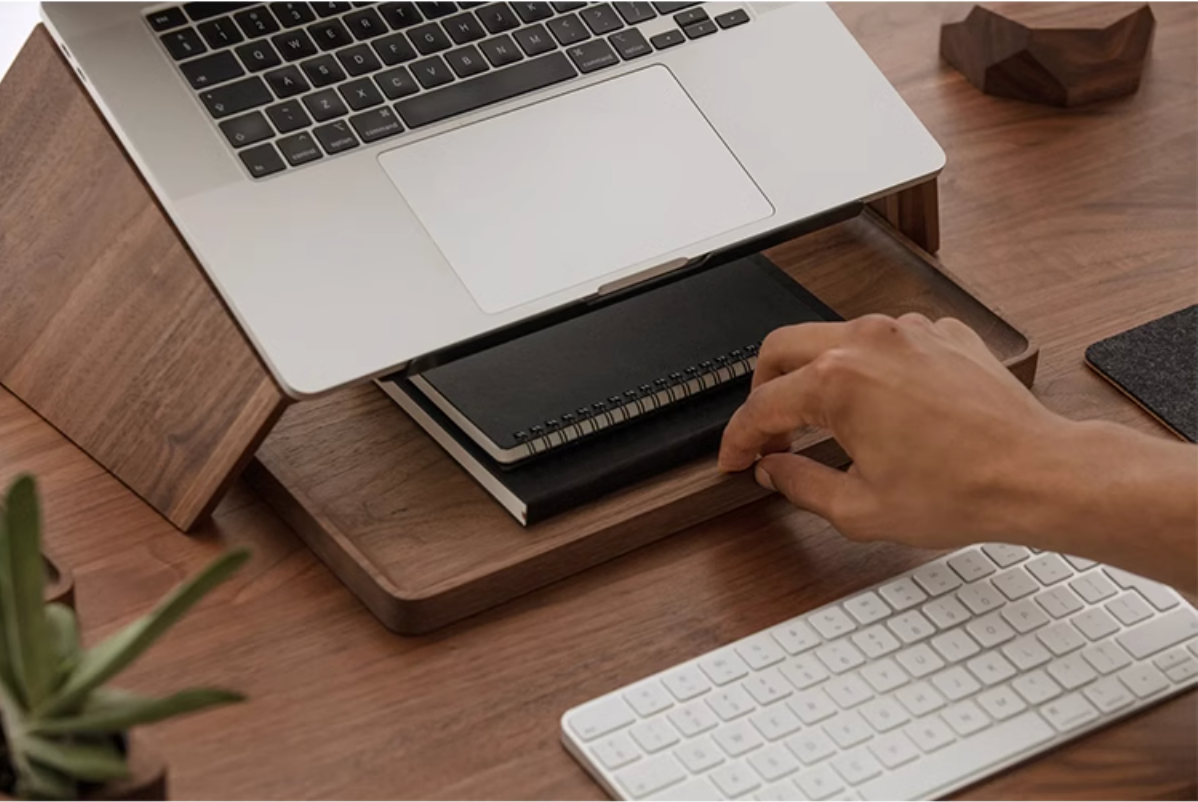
pixel 98 761
pixel 43 782
pixel 22 579
pixel 119 712
pixel 63 629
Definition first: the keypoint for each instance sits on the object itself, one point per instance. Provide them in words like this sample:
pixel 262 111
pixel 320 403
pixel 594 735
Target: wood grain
pixel 110 330
pixel 1079 223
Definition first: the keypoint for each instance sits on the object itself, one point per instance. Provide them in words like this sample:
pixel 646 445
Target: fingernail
pixel 763 478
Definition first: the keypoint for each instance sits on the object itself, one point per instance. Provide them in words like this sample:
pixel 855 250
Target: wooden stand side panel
pixel 914 212
pixel 108 328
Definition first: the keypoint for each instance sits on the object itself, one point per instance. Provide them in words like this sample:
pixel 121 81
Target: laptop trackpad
pixel 570 190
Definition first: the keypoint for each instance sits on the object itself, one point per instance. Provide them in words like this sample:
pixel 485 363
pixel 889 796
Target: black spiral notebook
pixel 560 416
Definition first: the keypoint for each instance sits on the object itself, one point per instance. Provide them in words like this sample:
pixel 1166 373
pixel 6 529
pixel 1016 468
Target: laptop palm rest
pixel 567 191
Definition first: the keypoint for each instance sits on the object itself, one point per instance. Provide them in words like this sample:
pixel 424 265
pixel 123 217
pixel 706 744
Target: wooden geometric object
pixel 1059 54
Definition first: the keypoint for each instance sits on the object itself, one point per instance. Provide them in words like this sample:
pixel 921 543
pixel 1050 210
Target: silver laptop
pixel 369 183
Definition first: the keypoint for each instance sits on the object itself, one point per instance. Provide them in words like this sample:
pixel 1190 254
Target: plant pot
pixel 60 582
pixel 146 780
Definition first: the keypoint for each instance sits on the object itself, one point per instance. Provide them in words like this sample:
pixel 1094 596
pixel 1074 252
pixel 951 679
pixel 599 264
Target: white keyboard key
pixel 615 751
pixel 1024 616
pixel 812 706
pixel 1080 563
pixel 785 791
pixel 1093 587
pixel 819 783
pixel 955 645
pixel 1095 623
pixel 737 738
pixel 884 675
pixel 848 729
pixel 1193 647
pixel 1106 657
pixel 723 667
pixel 1061 638
pixel 1108 694
pixel 831 622
pixel 1159 596
pixel 804 671
pixel 1183 671
pixel 840 656
pixel 956 683
pixel 923 778
pixel 760 652
pixel 767 687
pixel 699 755
pixel 774 762
pixel 867 608
pixel 686 682
pixel 696 790
pixel 775 722
pixel 848 691
pixel 1059 602
pixel 930 734
pixel 1049 569
pixel 1001 703
pixel 693 719
pixel 946 612
pixel 1130 608
pixel 965 718
pixel 884 715
pixel 1071 672
pixel 811 746
pixel 730 703
pixel 919 660
pixel 971 565
pixel 1036 687
pixel 650 775
pixel 981 597
pixel 875 641
pixel 1026 652
pixel 920 699
pixel 1143 680
pixel 1069 712
pixel 1004 554
pixel 935 578
pixel 1168 660
pixel 893 750
pixel 648 698
pixel 990 630
pixel 734 780
pixel 857 766
pixel 654 736
pixel 911 626
pixel 600 718
pixel 902 593
pixel 991 668
pixel 795 636
pixel 1159 634
pixel 1015 583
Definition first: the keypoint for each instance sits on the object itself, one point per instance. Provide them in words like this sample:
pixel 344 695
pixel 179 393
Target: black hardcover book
pixel 610 397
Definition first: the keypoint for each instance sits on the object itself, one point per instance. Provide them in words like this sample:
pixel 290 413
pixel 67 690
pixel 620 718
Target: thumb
pixel 807 483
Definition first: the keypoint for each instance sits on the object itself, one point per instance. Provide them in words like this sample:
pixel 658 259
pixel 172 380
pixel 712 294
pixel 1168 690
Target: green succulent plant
pixel 63 728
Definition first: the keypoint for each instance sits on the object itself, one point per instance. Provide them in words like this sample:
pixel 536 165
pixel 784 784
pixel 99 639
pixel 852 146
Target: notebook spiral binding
pixel 644 400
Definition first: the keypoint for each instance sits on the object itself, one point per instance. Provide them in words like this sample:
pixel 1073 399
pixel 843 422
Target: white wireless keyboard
pixel 909 690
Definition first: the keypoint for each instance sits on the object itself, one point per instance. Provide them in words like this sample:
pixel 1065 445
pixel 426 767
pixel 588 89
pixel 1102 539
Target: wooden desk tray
pixel 409 532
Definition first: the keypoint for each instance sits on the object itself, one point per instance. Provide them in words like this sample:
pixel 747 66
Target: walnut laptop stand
pixel 113 335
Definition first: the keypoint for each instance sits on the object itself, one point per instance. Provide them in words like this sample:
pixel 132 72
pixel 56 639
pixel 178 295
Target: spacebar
pixel 945 769
pixel 491 88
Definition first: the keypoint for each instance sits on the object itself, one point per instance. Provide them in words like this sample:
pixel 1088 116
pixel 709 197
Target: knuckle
pixel 915 319
pixel 831 366
pixel 874 326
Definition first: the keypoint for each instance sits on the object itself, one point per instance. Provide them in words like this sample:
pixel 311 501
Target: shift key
pixel 1160 633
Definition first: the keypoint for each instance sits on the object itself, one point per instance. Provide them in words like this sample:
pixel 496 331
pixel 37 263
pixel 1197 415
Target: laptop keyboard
pixel 289 84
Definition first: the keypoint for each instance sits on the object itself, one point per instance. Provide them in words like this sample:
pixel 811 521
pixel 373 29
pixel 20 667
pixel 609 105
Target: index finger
pixel 789 348
pixel 772 410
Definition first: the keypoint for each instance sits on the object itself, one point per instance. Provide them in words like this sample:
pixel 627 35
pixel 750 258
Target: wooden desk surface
pixel 1079 224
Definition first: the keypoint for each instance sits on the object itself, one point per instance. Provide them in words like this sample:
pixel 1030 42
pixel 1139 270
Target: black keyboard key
pixel 330 35
pixel 365 24
pixel 326 10
pixel 258 56
pixel 518 79
pixel 247 130
pixel 361 94
pixel 563 8
pixel 532 12
pixel 700 29
pixel 166 19
pixel 292 14
pixel 400 15
pixel 394 49
pixel 323 71
pixel 635 12
pixel 690 17
pixel 466 61
pixel 667 39
pixel 535 40
pixel 220 33
pixel 324 106
pixel 568 30
pixel 375 125
pixel 501 51
pixel 601 19
pixel 236 97
pixel 336 137
pixel 630 44
pixel 294 45
pixel 197 12
pixel 299 149
pixel 288 116
pixel 429 39
pixel 498 17
pixel 262 161
pixel 732 18
pixel 463 28
pixel 358 60
pixel 183 44
pixel 257 22
pixel 670 8
pixel 592 56
pixel 209 70
pixel 286 82
pixel 432 72
pixel 438 10
pixel 397 83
